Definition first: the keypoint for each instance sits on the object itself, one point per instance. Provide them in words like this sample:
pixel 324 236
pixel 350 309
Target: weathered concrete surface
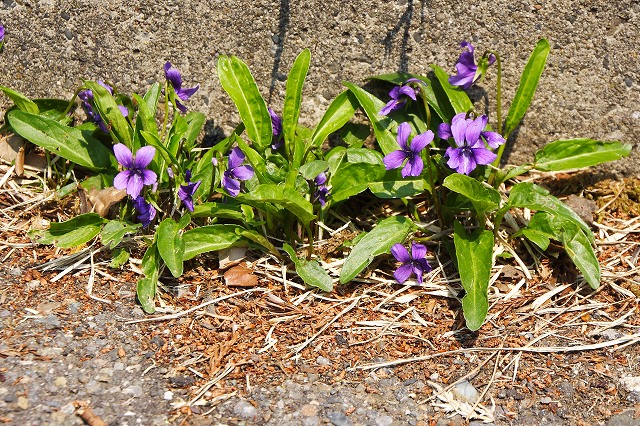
pixel 590 88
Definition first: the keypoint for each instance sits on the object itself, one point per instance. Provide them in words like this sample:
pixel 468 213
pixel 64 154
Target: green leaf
pixel 68 142
pixel 152 96
pixel 545 226
pixel 484 199
pixel 337 115
pixel 382 126
pixel 73 232
pixel 534 197
pixel 152 139
pixel 353 178
pixel 388 232
pixel 237 81
pixel 311 272
pixel 287 198
pixel 507 173
pixel 217 210
pixel 293 98
pixel 146 119
pixel 259 239
pixel 209 238
pixel 397 188
pixel 106 105
pixel 474 254
pixel 147 286
pixel 355 134
pixel 578 247
pixel 457 97
pixel 539 230
pixel 577 153
pixel 171 245
pixel 527 88
pixel 195 121
pixel 312 169
pixel 119 257
pixel 115 230
pixel 21 101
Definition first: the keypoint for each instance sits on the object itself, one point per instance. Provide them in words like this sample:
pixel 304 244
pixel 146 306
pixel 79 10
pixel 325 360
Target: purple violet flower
pixel 411 153
pixel 322 192
pixel 175 79
pixel 186 191
pixel 399 96
pixel 276 125
pixel 1 34
pixel 146 211
pixel 467 68
pixel 86 96
pixel 236 172
pixel 414 263
pixel 468 136
pixel 136 174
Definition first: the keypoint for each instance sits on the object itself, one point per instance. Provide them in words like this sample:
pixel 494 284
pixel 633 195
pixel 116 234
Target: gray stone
pixel 383 420
pixel 626 418
pixel 245 410
pixel 133 390
pixel 338 418
pixel 50 321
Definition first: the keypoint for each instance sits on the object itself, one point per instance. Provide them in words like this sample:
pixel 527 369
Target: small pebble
pixel 168 396
pixel 60 381
pixel 245 410
pixel 322 361
pixel 23 403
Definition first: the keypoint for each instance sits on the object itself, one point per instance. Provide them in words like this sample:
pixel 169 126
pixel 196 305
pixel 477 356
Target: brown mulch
pixel 229 338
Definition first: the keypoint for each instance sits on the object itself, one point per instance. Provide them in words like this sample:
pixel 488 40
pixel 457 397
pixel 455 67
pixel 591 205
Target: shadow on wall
pixel 401 29
pixel 283 25
pixel 403 26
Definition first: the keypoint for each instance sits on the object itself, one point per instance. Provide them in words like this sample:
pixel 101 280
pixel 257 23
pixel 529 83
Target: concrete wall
pixel 590 87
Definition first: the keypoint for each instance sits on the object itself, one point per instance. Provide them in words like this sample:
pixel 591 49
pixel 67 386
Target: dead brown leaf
pixel 240 276
pixel 100 201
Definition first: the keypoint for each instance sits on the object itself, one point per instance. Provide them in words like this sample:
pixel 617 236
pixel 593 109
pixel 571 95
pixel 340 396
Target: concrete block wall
pixel 590 88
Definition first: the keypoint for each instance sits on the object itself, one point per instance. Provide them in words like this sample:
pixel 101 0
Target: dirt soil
pixel 75 347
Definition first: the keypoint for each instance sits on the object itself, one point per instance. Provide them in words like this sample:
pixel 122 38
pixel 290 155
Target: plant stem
pixel 432 186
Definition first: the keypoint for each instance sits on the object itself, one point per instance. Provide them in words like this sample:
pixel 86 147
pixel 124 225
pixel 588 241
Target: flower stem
pixel 71 102
pixel 166 109
pixel 496 162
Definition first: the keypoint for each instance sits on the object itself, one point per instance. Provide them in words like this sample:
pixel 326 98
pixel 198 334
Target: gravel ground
pixel 60 348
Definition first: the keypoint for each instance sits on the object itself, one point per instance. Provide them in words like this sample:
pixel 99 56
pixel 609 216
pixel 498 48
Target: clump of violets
pixel 414 263
pixel 136 174
pixel 236 172
pixel 322 192
pixel 185 192
pixel 1 36
pixel 276 125
pixel 86 96
pixel 409 152
pixel 174 78
pixel 470 137
pixel 468 71
pixel 146 211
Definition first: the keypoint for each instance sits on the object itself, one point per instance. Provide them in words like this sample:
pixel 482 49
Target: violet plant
pixel 464 180
pixel 272 182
